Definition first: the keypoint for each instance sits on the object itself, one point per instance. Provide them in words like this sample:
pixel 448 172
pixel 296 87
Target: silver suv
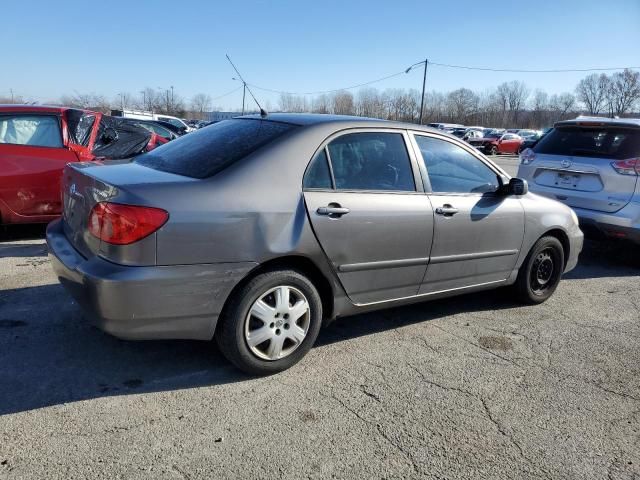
pixel 592 164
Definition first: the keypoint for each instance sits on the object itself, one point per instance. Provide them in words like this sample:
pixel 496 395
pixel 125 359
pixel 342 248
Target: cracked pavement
pixel 475 386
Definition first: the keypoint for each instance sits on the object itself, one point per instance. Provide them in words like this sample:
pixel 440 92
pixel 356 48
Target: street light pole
pixel 424 83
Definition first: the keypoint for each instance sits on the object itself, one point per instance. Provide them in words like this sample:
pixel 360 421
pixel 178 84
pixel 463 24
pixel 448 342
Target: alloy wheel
pixel 277 323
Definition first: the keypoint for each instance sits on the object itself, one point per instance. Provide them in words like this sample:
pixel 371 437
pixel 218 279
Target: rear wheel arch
pixel 301 264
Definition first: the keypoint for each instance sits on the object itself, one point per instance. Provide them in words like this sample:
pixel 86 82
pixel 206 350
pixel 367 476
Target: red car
pixel 36 142
pixel 494 143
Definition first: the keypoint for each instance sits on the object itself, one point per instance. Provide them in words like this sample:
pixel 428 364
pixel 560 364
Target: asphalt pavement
pixel 476 386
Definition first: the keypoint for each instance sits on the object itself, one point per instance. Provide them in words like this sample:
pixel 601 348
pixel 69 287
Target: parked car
pixel 159 128
pixel 256 231
pixel 458 131
pixel 495 143
pixel 145 115
pixel 529 141
pixel 473 133
pixel 444 126
pixel 591 164
pixel 36 142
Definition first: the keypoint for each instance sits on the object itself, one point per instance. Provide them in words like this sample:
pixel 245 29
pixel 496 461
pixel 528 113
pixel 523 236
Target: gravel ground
pixel 471 387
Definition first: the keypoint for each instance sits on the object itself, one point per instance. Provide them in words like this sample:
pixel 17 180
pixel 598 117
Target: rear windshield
pixel 610 143
pixel 209 150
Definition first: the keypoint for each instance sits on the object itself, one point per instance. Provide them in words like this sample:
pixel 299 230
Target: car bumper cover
pixel 144 303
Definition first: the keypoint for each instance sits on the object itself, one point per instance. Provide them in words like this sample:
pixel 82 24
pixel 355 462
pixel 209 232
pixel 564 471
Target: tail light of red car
pixel 631 166
pixel 121 224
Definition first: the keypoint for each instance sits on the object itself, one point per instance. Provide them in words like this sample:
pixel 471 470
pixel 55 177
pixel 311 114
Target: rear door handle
pixel 333 210
pixel 446 210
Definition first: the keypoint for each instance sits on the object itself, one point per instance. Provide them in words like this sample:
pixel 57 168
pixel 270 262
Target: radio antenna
pixel 263 112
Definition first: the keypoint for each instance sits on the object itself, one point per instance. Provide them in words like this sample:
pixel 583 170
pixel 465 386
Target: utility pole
pixel 244 91
pixel 424 83
pixel 11 90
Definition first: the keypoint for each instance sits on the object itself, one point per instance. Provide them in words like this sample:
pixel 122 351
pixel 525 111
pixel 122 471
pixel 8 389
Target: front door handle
pixel 333 210
pixel 446 210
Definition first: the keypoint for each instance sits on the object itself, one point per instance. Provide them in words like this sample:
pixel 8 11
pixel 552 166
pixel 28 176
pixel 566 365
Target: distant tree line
pixel 510 104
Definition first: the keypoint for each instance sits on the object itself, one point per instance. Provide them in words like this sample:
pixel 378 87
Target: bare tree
pixel 623 91
pixel 592 92
pixel 200 103
pixel 343 103
pixel 89 101
pixel 462 103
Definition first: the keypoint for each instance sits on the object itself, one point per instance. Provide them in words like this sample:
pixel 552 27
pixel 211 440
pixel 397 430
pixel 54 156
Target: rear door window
pixel 598 142
pixel 371 161
pixel 206 152
pixel 31 130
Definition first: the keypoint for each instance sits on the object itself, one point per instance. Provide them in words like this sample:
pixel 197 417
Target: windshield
pixel 612 143
pixel 209 150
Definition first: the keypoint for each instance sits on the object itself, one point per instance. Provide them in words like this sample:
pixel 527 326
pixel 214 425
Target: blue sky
pixel 52 48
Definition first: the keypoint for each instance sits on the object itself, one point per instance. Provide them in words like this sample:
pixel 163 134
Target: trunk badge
pixel 565 163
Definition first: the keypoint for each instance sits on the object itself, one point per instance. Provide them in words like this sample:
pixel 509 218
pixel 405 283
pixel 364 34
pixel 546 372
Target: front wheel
pixel 493 150
pixel 540 273
pixel 271 322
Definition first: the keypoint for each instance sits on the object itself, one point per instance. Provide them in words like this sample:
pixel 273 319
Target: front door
pixel 372 222
pixel 478 232
pixel 32 157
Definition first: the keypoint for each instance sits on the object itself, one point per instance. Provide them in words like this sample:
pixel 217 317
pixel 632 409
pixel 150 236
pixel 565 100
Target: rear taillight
pixel 630 166
pixel 527 156
pixel 124 224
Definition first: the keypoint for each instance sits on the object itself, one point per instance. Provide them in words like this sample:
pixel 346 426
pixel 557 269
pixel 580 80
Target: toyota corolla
pixel 256 231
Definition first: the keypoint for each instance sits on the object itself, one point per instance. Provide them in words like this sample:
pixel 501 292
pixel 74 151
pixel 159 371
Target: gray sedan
pixel 257 231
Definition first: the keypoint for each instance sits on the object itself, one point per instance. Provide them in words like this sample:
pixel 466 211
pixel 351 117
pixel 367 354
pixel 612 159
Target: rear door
pixel 478 232
pixel 584 165
pixel 370 214
pixel 32 157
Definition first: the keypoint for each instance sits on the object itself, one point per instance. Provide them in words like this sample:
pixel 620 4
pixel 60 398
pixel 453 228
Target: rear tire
pixel 541 271
pixel 493 150
pixel 270 323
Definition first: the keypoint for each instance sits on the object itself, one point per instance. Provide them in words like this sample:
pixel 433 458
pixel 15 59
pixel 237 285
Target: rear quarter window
pixel 610 143
pixel 207 151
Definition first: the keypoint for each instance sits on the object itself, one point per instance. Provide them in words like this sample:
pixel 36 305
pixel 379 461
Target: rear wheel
pixel 493 150
pixel 271 322
pixel 541 271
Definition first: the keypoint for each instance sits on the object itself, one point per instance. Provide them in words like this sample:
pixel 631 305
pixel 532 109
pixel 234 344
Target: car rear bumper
pixel 144 303
pixel 624 223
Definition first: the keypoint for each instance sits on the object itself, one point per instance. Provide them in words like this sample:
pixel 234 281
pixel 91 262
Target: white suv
pixel 593 165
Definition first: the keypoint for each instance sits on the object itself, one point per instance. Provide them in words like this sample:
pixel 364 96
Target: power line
pixel 512 70
pixel 445 65
pixel 335 89
pixel 226 94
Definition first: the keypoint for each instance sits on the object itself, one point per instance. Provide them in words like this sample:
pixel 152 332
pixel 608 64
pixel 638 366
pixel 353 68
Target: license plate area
pixel 567 180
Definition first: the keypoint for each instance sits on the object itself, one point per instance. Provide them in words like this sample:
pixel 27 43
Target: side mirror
pixel 518 186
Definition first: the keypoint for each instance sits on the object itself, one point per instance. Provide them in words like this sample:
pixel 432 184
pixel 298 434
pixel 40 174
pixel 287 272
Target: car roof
pixel 343 121
pixel 601 121
pixel 14 107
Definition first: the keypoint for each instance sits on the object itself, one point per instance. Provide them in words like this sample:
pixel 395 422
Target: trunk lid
pixel 88 183
pixel 80 192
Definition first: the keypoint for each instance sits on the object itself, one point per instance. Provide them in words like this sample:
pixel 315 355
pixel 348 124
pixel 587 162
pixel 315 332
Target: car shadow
pixel 606 258
pixel 22 232
pixel 50 355
pixel 18 250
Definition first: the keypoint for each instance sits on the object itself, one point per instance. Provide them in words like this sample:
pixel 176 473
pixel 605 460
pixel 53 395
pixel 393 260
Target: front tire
pixel 493 150
pixel 271 322
pixel 541 271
